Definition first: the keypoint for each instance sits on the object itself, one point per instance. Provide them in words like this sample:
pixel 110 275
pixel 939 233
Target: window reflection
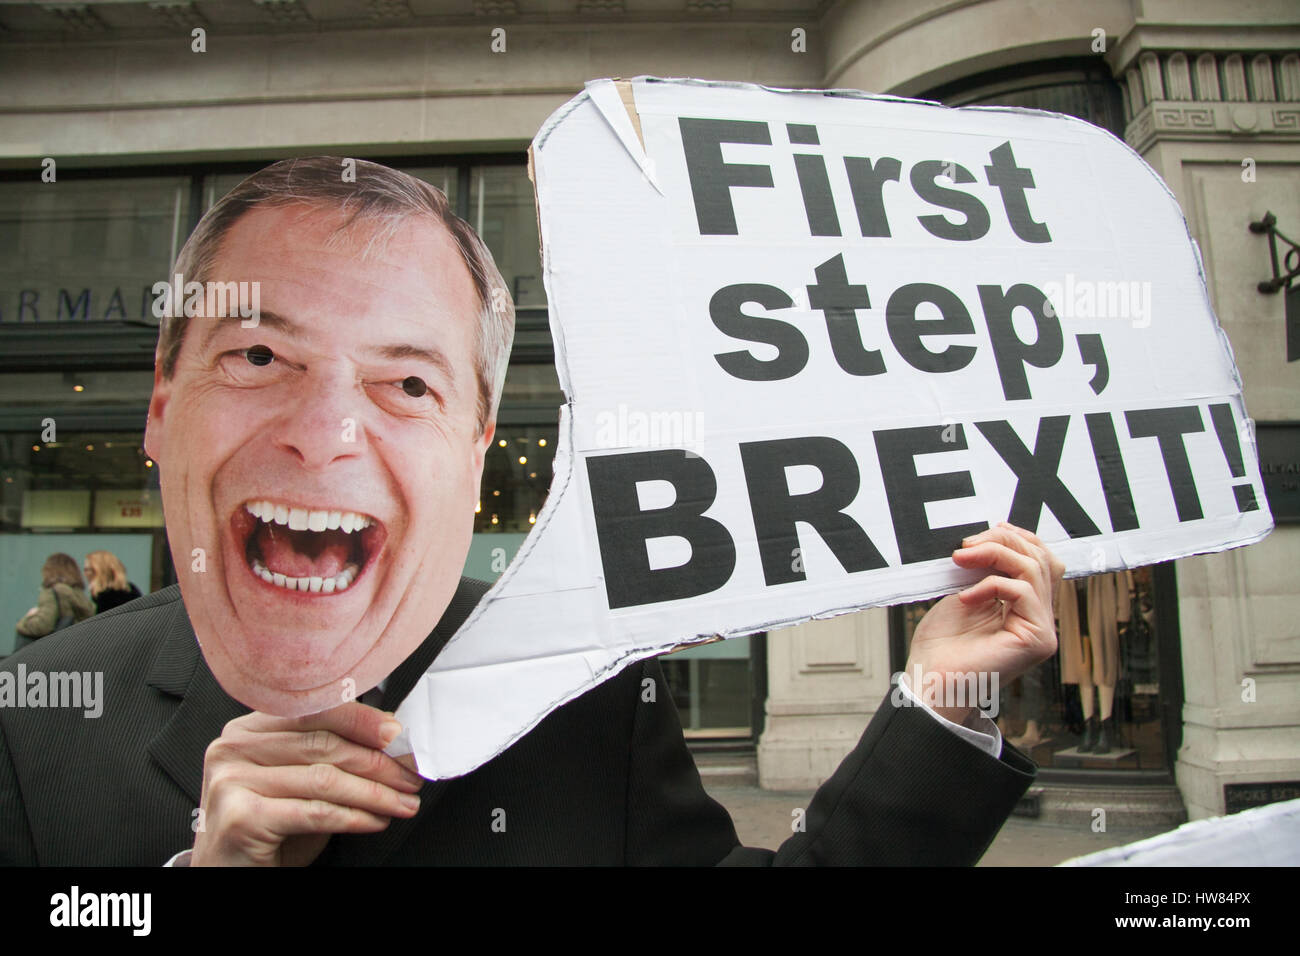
pixel 516 477
pixel 504 213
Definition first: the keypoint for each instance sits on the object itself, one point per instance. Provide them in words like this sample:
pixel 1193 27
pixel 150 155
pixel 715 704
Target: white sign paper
pixel 810 340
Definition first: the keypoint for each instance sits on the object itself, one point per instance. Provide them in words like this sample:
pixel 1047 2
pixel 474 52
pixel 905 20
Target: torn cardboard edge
pixel 629 103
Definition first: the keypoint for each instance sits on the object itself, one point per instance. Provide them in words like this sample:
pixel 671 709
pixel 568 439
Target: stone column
pixel 1222 128
pixel 825 680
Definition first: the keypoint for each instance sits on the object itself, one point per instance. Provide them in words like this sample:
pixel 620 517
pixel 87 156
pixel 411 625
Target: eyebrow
pixel 396 352
pixel 432 356
pixel 265 317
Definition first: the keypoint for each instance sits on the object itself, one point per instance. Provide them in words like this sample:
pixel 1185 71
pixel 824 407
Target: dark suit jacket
pixel 605 779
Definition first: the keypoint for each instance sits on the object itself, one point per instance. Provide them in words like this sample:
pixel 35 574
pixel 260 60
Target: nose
pixel 322 424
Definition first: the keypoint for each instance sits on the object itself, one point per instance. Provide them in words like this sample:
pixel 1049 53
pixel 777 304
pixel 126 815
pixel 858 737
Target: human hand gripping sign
pixel 276 788
pixel 1003 625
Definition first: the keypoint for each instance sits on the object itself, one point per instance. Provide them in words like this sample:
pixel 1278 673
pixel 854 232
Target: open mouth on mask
pixel 302 549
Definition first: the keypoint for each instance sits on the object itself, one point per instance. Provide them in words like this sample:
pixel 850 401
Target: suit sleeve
pixel 910 793
pixel 671 820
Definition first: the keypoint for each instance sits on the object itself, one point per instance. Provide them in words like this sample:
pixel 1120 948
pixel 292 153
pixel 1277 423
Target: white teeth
pixel 315 584
pixel 303 519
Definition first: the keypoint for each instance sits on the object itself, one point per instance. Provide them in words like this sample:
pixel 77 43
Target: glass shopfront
pixel 77 480
pixel 88 250
pixel 716 688
pixel 1108 699
pixel 80 256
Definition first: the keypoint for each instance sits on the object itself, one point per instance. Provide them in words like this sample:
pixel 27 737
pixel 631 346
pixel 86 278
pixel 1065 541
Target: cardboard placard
pixel 810 340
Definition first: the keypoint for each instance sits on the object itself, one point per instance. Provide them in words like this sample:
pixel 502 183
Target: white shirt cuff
pixel 988 738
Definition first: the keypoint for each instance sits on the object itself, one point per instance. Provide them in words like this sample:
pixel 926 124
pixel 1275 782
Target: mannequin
pixel 1032 704
pixel 1090 653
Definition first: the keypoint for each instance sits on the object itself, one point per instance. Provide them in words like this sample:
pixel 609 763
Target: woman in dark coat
pixel 108 584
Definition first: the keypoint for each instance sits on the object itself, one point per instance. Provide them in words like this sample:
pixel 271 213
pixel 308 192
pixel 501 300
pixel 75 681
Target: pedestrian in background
pixel 62 602
pixel 107 578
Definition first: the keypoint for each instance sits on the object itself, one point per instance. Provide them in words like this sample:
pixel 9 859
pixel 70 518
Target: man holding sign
pixel 367 390
pixel 891 326
pixel 250 412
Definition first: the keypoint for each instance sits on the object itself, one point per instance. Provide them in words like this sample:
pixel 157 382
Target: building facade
pixel 121 122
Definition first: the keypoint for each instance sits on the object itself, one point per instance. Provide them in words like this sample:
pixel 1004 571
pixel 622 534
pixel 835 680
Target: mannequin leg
pixel 1089 718
pixel 1031 738
pixel 1107 733
pixel 1107 695
pixel 1031 708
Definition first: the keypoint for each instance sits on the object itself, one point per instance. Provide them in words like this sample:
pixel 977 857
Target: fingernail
pixel 409 800
pixel 410 776
pixel 388 731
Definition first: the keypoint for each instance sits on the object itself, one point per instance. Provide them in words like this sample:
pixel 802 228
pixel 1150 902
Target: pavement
pixel 765 818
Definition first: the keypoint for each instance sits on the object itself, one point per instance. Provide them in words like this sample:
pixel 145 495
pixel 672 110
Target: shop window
pixel 504 213
pixel 87 250
pixel 70 485
pixel 1080 87
pixel 712 686
pixel 1104 679
pixel 516 477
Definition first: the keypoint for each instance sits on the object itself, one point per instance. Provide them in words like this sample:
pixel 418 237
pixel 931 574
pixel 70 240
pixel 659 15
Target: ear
pixel 158 402
pixel 481 445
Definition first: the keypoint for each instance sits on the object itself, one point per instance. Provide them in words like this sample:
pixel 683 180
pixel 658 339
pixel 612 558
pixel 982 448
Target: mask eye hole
pixel 414 386
pixel 259 355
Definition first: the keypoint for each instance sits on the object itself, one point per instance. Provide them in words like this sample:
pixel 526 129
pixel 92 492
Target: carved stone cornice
pixel 1211 95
